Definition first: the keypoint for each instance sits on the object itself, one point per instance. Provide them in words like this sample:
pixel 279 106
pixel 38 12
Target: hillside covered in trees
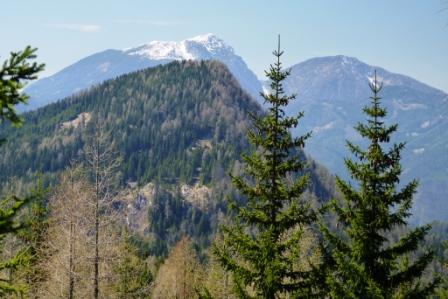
pixel 185 121
pixel 136 172
pixel 178 130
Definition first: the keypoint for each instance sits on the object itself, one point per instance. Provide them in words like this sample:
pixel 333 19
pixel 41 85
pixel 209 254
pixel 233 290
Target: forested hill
pixel 182 120
pixel 183 123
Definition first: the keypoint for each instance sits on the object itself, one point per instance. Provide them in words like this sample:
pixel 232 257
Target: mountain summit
pixel 207 46
pixel 111 63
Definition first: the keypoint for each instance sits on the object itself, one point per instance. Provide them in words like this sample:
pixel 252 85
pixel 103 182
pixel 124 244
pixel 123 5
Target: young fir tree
pixel 261 249
pixel 14 73
pixel 363 262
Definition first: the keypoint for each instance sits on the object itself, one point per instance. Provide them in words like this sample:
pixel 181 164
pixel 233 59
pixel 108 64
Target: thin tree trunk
pixel 71 283
pixel 97 260
pixel 97 222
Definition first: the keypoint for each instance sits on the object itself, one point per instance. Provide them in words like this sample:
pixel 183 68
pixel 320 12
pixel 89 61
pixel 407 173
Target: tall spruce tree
pixel 261 247
pixel 364 263
pixel 14 73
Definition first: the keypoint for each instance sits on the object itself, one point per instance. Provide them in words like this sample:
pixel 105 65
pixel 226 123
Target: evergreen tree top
pixel 364 262
pixel 261 248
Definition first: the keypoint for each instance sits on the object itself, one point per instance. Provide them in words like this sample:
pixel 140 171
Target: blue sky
pixel 404 36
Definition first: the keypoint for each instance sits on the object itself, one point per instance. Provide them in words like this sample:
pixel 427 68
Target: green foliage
pixel 14 72
pixel 364 262
pixel 171 218
pixel 261 248
pixel 35 219
pixel 181 122
pixel 9 224
pixel 13 75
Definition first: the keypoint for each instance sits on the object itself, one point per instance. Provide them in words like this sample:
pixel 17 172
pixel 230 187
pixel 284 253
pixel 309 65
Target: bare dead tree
pixel 67 238
pixel 181 274
pixel 102 167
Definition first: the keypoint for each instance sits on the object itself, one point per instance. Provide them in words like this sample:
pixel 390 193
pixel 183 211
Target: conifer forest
pixel 172 170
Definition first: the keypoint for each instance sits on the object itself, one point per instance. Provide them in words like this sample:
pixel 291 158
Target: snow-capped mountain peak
pixel 198 47
pixel 211 42
pixel 162 50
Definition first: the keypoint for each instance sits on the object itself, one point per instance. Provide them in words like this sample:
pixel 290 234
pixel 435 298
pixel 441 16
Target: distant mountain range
pixel 111 63
pixel 330 90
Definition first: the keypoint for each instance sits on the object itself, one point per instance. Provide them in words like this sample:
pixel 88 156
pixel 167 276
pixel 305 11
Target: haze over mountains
pixel 331 91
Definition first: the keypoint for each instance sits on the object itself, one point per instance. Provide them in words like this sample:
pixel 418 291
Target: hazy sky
pixel 404 36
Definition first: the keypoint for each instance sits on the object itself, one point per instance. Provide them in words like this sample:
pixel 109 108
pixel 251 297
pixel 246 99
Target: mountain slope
pixel 179 129
pixel 332 92
pixel 112 63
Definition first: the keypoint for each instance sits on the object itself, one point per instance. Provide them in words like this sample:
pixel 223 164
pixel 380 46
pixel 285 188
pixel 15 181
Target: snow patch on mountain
pixel 104 67
pixel 211 42
pixel 163 50
pixel 379 80
pixel 407 106
pixel 182 50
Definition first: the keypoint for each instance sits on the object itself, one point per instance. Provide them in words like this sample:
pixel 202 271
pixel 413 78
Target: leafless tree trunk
pixel 96 161
pixel 82 238
pixel 102 166
pixel 72 253
pixel 67 239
